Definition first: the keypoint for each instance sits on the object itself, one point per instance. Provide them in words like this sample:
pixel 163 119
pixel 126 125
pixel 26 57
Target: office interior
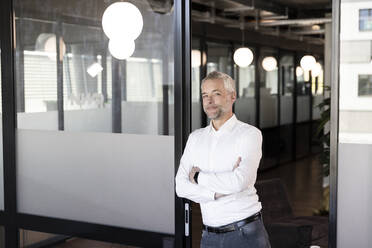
pixel 96 111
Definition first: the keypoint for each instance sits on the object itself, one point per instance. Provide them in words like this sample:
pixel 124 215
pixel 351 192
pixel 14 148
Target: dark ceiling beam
pixel 268 6
pixel 223 34
pixel 314 12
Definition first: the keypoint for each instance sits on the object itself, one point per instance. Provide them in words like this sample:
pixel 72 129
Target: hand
pixel 218 196
pixel 192 173
pixel 237 163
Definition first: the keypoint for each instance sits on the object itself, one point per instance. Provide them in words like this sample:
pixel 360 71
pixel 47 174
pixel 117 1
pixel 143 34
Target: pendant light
pixel 122 23
pixel 243 56
pixel 122 20
pixel 307 62
pixel 269 63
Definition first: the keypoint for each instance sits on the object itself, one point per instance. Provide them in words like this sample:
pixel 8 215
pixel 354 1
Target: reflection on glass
pixel 84 88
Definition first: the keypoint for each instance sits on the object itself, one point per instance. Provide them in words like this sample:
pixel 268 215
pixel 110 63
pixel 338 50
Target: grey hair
pixel 228 82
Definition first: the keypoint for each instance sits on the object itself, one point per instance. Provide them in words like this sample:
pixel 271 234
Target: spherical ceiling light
pixel 196 58
pixel 299 71
pixel 316 70
pixel 269 63
pixel 307 62
pixel 122 20
pixel 243 57
pixel 315 27
pixel 121 49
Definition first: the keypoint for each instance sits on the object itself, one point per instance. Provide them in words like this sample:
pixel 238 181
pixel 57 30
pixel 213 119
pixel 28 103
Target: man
pixel 218 170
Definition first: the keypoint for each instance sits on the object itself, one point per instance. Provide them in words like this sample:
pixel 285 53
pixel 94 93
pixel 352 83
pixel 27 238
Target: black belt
pixel 233 226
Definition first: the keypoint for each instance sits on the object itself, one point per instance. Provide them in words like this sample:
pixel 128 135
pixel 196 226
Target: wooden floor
pixel 303 181
pixel 85 243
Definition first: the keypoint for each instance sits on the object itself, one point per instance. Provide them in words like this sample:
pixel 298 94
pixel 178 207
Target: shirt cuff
pixel 209 194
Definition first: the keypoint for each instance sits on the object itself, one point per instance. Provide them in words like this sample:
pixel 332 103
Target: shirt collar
pixel 227 126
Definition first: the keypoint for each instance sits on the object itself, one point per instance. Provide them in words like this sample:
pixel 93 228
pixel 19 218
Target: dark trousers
pixel 252 235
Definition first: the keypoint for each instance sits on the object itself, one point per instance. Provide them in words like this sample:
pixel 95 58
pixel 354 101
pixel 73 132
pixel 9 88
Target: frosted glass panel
pixel 113 179
pixel 245 109
pixel 286 110
pixel 303 108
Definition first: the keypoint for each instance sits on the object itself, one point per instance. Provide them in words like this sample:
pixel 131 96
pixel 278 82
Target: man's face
pixel 217 101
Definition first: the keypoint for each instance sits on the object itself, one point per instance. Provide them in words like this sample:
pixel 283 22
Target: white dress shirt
pixel 215 153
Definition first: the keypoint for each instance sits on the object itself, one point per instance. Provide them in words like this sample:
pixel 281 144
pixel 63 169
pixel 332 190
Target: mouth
pixel 211 107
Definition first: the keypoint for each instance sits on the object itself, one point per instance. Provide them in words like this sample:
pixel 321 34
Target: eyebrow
pixel 211 92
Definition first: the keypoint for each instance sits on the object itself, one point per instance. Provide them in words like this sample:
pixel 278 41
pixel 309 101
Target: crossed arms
pixel 212 186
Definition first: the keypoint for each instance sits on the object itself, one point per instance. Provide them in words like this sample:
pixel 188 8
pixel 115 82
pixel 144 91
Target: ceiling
pixel 292 19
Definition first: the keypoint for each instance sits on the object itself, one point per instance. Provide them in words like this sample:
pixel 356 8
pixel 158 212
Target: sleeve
pixel 185 188
pixel 242 177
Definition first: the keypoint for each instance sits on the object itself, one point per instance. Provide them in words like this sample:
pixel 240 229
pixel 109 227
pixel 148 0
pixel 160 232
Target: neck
pixel 217 123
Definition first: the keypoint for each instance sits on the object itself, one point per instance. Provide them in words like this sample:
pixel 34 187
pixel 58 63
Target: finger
pixel 238 162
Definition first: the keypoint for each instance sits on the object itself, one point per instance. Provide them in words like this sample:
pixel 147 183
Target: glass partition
pixel 198 61
pixel 245 105
pixel 303 95
pixel 303 127
pixel 268 69
pixel 318 95
pixel 286 88
pixel 219 58
pixel 115 157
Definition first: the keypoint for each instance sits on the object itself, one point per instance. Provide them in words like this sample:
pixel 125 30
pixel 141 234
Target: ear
pixel 233 97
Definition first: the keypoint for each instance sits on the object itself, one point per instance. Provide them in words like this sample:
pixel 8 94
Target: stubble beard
pixel 216 115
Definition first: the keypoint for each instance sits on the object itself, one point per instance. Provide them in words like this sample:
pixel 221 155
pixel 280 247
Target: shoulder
pixel 248 130
pixel 198 133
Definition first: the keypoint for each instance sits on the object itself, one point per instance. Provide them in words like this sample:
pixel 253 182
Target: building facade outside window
pixel 365 20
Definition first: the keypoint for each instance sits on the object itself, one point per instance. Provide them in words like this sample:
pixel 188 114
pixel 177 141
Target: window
pixel 365 20
pixel 365 85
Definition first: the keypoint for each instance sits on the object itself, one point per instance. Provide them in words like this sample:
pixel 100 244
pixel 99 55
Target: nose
pixel 207 99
